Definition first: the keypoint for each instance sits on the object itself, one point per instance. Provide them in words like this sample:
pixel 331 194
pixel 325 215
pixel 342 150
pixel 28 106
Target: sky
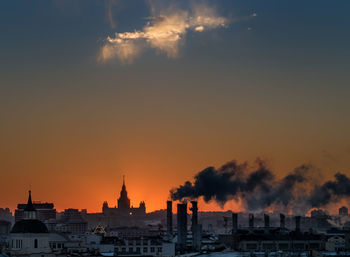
pixel 91 90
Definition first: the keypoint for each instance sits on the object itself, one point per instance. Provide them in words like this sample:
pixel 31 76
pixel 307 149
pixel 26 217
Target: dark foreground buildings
pixel 269 238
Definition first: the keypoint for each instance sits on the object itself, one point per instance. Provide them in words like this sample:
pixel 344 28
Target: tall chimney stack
pixel 234 223
pixel 194 210
pixel 182 225
pixel 267 220
pixel 282 220
pixel 251 220
pixel 297 223
pixel 195 227
pixel 169 217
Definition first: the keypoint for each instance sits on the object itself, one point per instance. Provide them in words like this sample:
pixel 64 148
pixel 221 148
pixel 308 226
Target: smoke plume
pixel 258 188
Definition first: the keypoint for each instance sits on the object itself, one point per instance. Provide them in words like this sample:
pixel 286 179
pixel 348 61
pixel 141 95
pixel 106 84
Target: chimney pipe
pixel 234 222
pixel 169 217
pixel 267 220
pixel 251 220
pixel 194 210
pixel 282 220
pixel 297 223
pixel 182 225
pixel 196 229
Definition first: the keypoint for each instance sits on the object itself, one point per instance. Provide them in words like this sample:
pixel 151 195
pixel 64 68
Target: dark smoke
pixel 259 189
pixel 224 183
pixel 330 191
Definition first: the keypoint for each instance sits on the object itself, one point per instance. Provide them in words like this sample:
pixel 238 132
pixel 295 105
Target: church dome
pixel 29 226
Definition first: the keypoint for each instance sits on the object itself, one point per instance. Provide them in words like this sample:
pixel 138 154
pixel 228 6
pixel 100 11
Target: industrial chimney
pixel 195 227
pixel 297 223
pixel 251 220
pixel 194 210
pixel 282 220
pixel 182 225
pixel 267 220
pixel 234 223
pixel 169 217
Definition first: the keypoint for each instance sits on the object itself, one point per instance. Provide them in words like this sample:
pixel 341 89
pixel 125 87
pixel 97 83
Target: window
pixel 159 249
pixel 152 249
pixel 18 243
pixel 145 249
pixel 35 243
pixel 130 250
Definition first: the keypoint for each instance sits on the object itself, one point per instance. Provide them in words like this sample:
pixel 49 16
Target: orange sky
pixel 84 174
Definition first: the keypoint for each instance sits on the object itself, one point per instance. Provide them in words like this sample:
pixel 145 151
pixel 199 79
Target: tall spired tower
pixel 124 201
pixel 29 210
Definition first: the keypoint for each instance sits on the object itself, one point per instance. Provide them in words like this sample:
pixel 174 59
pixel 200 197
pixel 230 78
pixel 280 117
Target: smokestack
pixel 282 220
pixel 267 220
pixel 297 223
pixel 234 222
pixel 251 220
pixel 195 227
pixel 181 225
pixel 169 217
pixel 194 210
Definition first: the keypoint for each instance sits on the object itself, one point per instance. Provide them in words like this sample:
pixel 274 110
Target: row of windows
pixel 138 249
pixel 148 242
pixel 17 244
pixel 56 245
pixel 268 246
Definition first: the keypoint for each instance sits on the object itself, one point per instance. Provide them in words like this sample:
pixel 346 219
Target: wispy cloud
pixel 109 14
pixel 164 33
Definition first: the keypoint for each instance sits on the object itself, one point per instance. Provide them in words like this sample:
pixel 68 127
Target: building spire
pixel 124 201
pixel 29 206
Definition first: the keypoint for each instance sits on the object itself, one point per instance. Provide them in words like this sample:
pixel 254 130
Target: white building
pixel 29 237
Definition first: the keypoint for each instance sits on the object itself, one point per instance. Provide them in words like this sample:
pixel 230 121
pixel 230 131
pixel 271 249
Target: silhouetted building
pixel 71 221
pixel 124 208
pixel 5 227
pixel 278 240
pixel 44 211
pixel 141 246
pixel 29 236
pixel 5 214
pixel 343 211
